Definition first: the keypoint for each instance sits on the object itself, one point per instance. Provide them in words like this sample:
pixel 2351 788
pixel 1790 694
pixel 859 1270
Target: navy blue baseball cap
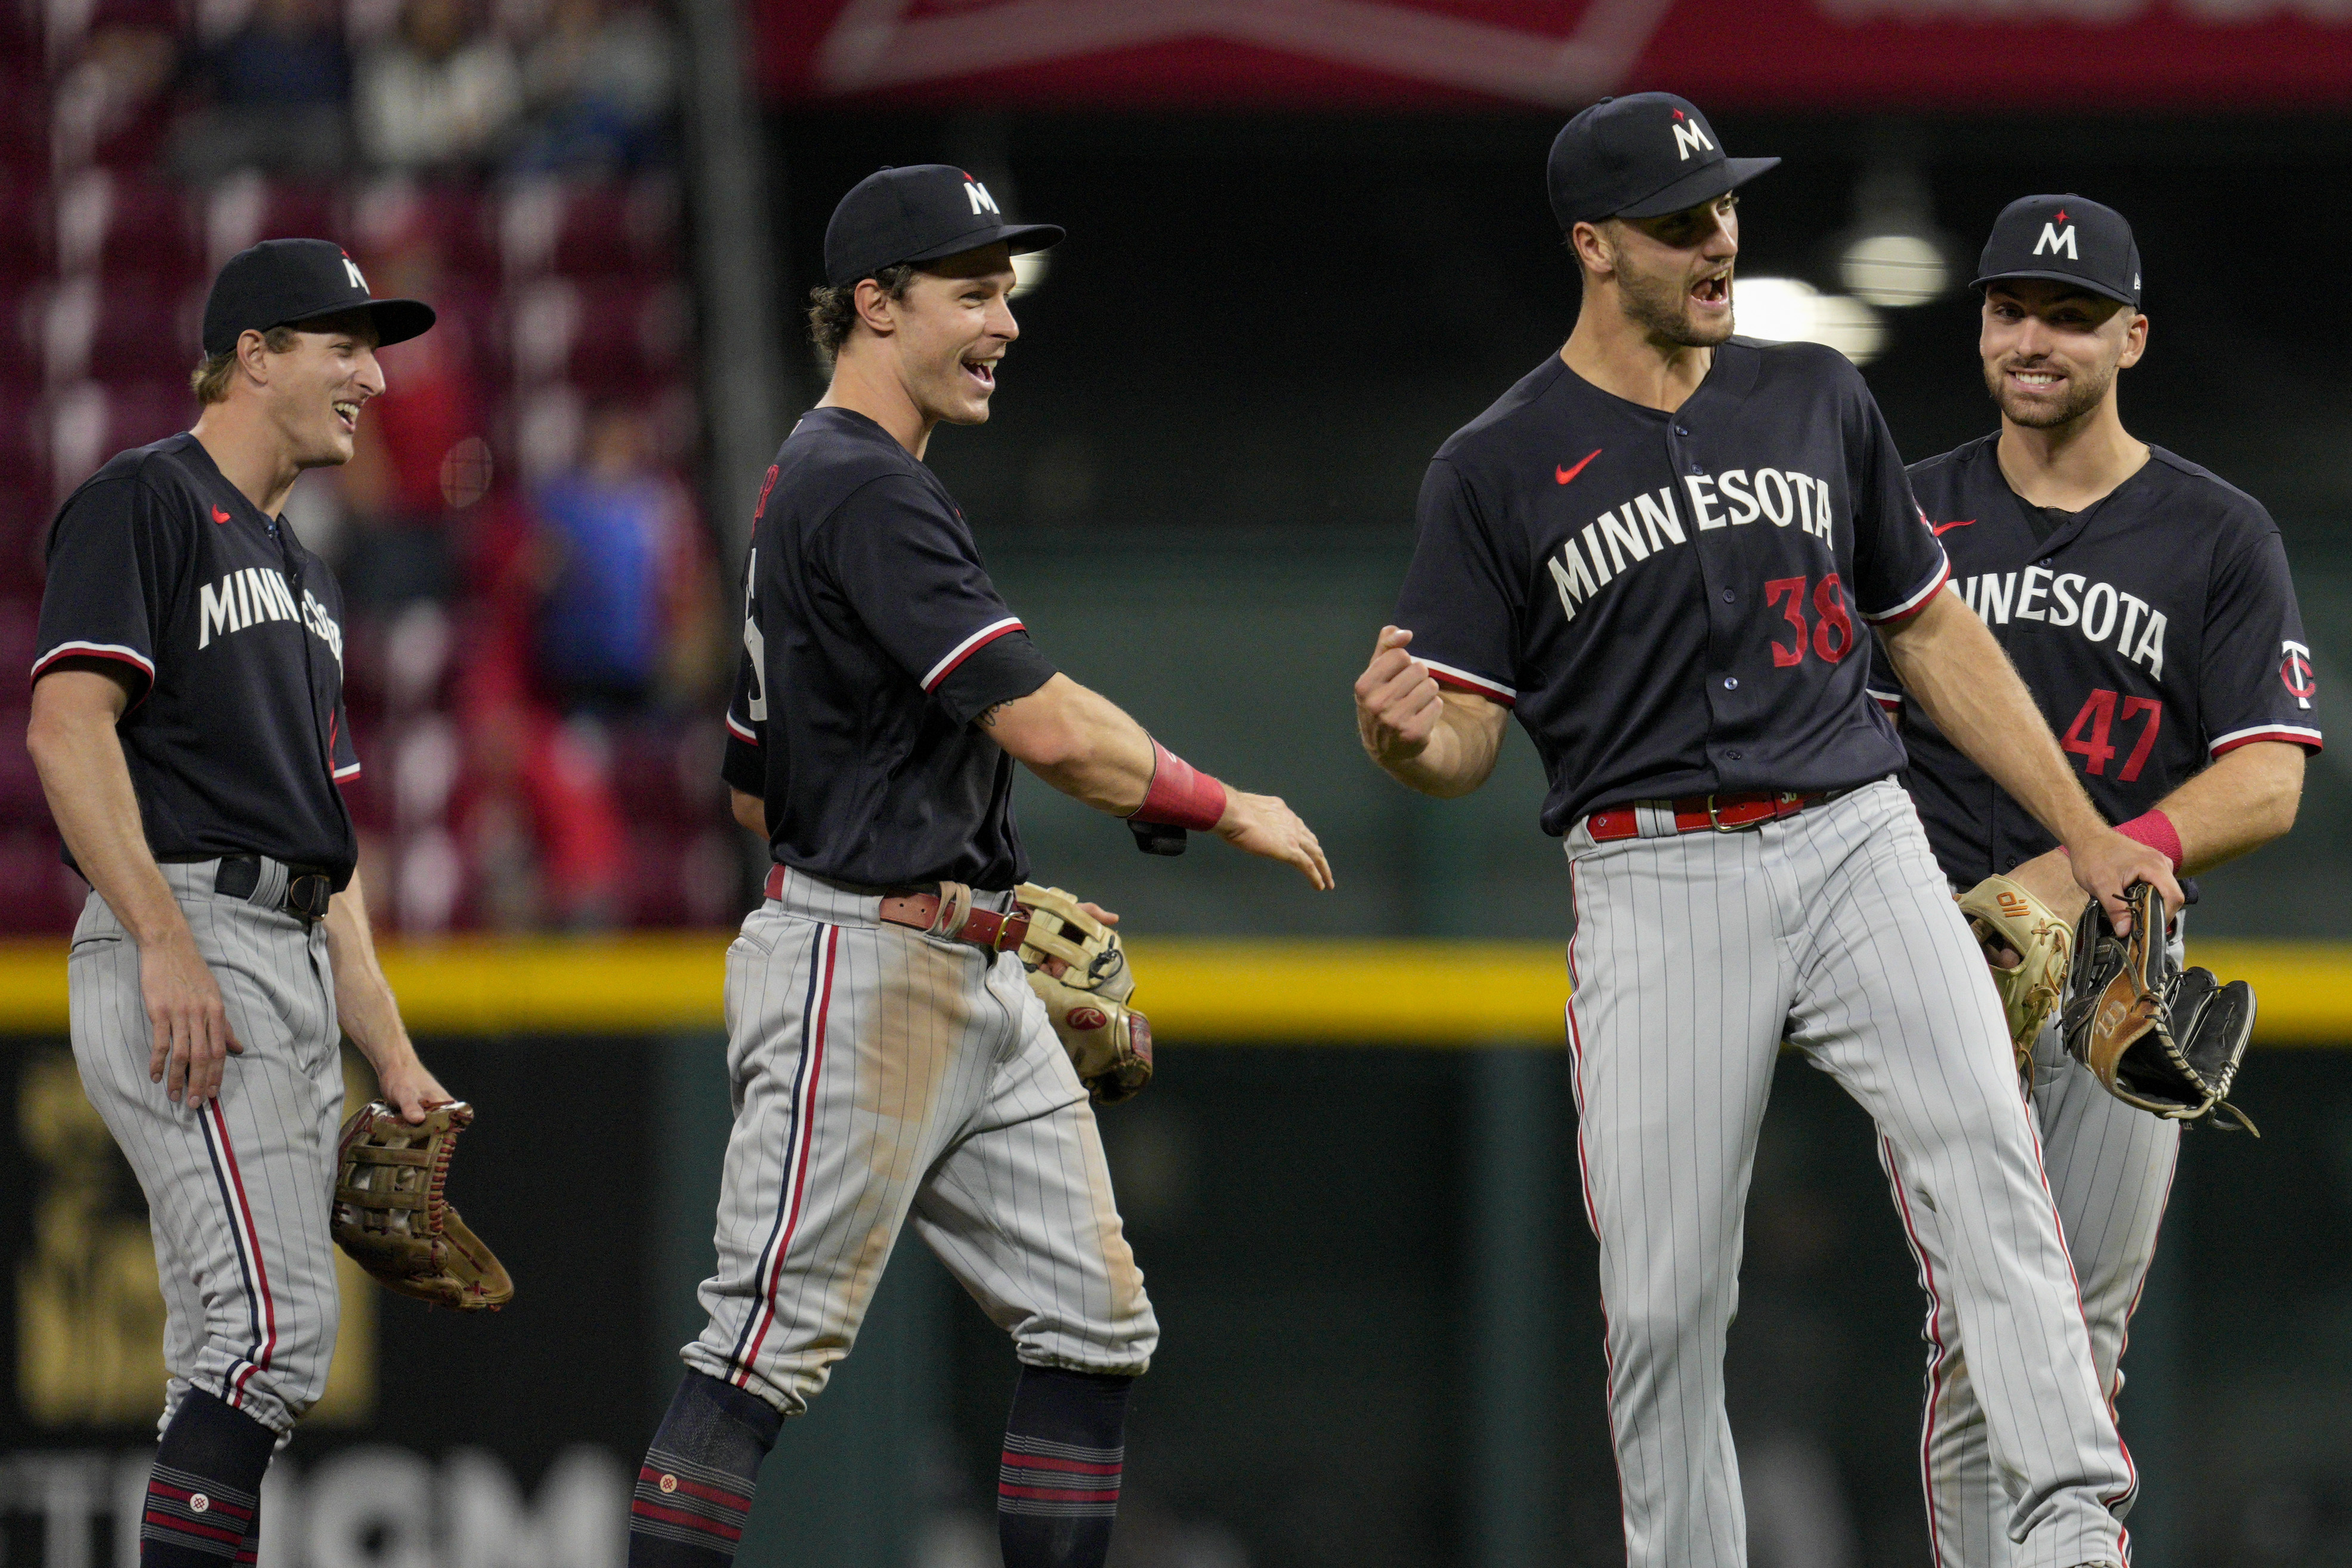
pixel 287 282
pixel 920 212
pixel 1641 156
pixel 2066 240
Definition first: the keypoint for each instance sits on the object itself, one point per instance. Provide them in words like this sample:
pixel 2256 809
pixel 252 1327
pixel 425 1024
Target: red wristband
pixel 1181 795
pixel 2155 830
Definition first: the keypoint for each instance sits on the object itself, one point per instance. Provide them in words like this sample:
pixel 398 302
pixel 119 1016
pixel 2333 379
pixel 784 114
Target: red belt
pixel 948 913
pixel 1705 814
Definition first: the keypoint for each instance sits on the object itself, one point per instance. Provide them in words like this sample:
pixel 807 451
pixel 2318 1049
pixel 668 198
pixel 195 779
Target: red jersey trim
pixel 2294 735
pixel 131 656
pixel 740 733
pixel 1917 602
pixel 967 648
pixel 1464 681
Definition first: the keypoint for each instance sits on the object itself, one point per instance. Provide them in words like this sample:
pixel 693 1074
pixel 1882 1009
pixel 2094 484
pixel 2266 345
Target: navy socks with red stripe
pixel 694 1490
pixel 1058 1486
pixel 203 1496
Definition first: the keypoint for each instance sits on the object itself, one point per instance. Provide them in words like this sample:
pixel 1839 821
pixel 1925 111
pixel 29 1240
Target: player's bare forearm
pixel 1085 746
pixel 750 811
pixel 1439 742
pixel 79 758
pixel 78 755
pixel 2236 806
pixel 367 1010
pixel 1963 681
pixel 1077 740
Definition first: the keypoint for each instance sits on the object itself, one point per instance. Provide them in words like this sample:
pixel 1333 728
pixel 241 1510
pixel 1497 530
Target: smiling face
pixel 316 388
pixel 2051 350
pixel 1674 273
pixel 948 331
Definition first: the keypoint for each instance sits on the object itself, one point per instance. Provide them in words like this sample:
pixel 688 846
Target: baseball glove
pixel 2006 917
pixel 1080 972
pixel 391 1215
pixel 2166 1040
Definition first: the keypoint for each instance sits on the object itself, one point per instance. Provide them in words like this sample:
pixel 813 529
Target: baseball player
pixel 2148 606
pixel 1660 551
pixel 187 721
pixel 888 1057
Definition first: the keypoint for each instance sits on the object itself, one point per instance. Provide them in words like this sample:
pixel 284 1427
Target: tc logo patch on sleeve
pixel 2295 669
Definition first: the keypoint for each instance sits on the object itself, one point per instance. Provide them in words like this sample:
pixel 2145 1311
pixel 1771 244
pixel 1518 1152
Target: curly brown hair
pixel 833 311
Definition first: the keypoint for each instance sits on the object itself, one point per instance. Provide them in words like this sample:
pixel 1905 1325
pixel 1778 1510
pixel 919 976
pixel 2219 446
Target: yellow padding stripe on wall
pixel 1271 990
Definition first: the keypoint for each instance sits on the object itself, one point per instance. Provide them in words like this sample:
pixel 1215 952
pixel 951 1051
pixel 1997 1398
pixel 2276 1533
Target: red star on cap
pixel 2061 215
pixel 1678 114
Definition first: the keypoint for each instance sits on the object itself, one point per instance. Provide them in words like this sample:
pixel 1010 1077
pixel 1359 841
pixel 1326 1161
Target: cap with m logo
pixel 2065 239
pixel 922 213
pixel 1641 156
pixel 291 282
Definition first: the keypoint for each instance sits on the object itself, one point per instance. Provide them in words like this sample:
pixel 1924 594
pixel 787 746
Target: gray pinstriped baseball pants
pixel 237 1193
pixel 2110 1169
pixel 1695 956
pixel 882 1075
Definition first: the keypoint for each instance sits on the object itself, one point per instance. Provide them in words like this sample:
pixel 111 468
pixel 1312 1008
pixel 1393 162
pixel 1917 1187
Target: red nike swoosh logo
pixel 1940 529
pixel 219 516
pixel 1565 475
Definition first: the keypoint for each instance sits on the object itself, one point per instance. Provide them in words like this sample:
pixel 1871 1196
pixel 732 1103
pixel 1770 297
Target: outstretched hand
pixel 1263 825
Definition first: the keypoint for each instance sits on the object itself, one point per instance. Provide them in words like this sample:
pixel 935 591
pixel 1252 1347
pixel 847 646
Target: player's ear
pixel 2134 342
pixel 875 307
pixel 253 355
pixel 1596 253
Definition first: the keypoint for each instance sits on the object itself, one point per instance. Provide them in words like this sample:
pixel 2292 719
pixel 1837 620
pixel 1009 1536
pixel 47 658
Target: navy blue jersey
pixel 1672 603
pixel 872 639
pixel 2156 630
pixel 232 633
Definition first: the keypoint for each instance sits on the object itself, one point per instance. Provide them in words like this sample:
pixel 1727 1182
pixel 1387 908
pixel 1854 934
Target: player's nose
pixel 369 375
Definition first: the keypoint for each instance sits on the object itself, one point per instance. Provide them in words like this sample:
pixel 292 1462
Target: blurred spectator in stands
pixel 274 94
pixel 537 816
pixel 598 86
pixel 629 601
pixel 420 455
pixel 441 91
pixel 107 106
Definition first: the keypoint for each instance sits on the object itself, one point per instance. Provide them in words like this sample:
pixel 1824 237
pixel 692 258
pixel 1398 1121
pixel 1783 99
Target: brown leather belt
pixel 948 913
pixel 1711 813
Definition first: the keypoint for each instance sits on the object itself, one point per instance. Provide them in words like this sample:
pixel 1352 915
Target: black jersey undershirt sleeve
pixel 114 562
pixel 1461 604
pixel 1897 564
pixel 907 568
pixel 2254 654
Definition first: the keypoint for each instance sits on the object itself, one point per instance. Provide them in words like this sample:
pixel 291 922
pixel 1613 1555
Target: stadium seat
pixel 247 208
pixel 590 230
pixel 88 421
pixel 89 331
pixel 137 232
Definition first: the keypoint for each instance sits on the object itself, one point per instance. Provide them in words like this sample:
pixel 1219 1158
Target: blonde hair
pixel 209 380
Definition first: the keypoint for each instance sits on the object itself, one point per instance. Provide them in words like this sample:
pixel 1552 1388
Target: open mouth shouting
pixel 983 372
pixel 1713 292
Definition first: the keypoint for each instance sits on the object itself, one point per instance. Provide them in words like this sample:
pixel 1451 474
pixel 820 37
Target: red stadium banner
pixel 2055 57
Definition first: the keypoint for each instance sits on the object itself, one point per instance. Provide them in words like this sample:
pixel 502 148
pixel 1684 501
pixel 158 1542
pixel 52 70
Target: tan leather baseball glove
pixel 391 1216
pixel 2166 1039
pixel 2006 918
pixel 1080 972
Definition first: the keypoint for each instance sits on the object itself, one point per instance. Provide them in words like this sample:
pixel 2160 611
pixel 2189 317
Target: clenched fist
pixel 1398 704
